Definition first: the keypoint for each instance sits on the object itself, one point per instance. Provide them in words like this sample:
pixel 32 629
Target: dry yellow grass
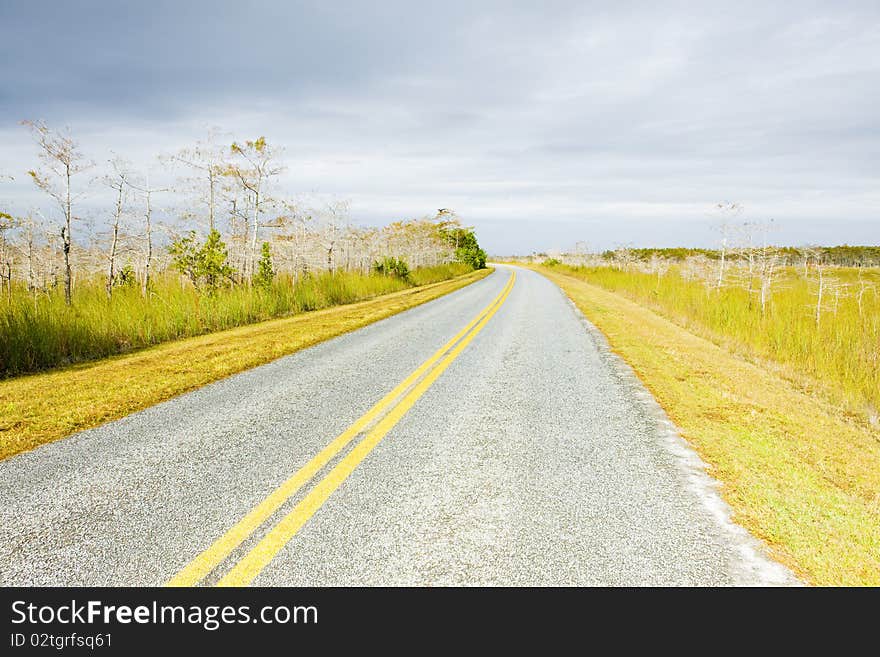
pixel 797 471
pixel 40 408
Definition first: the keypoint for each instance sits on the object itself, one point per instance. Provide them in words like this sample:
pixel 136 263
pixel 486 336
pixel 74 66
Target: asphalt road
pixel 535 458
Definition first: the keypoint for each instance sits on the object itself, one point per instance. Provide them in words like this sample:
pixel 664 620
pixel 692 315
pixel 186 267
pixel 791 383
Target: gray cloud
pixel 541 123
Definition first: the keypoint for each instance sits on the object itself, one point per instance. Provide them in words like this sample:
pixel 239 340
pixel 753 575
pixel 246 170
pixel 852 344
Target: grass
pixel 39 408
pixel 799 472
pixel 840 356
pixel 42 333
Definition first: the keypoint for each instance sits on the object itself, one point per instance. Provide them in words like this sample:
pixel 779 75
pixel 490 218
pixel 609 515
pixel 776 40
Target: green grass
pixel 39 408
pixel 799 472
pixel 44 333
pixel 840 357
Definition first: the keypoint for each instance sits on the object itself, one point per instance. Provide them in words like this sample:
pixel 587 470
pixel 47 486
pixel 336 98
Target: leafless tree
pixel 822 283
pixel 253 171
pixel 728 211
pixel 147 191
pixel 118 182
pixel 7 224
pixel 210 162
pixel 581 253
pixel 61 162
pixel 334 220
pixel 767 261
pixel 305 236
pixel 623 258
pixel 30 236
pixel 657 266
pixel 767 268
pixel 293 234
pixel 864 286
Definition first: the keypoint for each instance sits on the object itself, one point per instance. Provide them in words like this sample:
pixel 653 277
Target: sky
pixel 542 124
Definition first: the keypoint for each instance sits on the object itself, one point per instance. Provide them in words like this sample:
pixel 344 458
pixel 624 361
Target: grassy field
pixel 42 332
pixel 38 408
pixel 839 356
pixel 802 473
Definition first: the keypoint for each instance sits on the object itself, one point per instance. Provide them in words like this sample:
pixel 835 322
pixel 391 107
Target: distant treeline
pixel 848 256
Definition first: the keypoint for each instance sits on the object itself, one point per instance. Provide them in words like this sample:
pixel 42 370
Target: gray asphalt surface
pixel 537 458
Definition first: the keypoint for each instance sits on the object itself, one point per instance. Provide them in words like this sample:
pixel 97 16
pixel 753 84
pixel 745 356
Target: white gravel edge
pixel 758 567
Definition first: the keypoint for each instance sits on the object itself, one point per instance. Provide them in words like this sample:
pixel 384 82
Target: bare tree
pixel 765 261
pixel 118 182
pixel 294 234
pixel 7 224
pixel 728 210
pixel 581 251
pixel 30 231
pixel 767 266
pixel 820 268
pixel 623 258
pixel 864 286
pixel 657 266
pixel 147 192
pixel 809 253
pixel 209 161
pixel 318 235
pixel 61 160
pixel 253 172
pixel 334 218
pixel 699 268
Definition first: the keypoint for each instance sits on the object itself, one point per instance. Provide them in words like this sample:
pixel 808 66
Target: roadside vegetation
pixel 768 361
pixel 843 255
pixel 39 408
pixel 217 247
pixel 43 333
pixel 798 472
pixel 817 324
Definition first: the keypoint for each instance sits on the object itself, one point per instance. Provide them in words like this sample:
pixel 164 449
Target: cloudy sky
pixel 542 123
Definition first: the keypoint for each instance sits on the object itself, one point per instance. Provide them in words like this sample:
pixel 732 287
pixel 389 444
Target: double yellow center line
pixel 376 422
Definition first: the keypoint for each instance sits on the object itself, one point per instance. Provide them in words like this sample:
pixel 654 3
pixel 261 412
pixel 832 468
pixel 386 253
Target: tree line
pixel 844 256
pixel 221 222
pixel 746 258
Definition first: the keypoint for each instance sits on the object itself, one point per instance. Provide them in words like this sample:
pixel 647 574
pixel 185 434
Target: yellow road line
pixel 259 557
pixel 205 562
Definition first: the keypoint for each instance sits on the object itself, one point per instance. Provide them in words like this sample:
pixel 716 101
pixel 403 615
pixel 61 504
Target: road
pixel 525 454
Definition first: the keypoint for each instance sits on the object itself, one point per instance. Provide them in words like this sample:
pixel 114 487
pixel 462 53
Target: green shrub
pixel 126 277
pixel 467 249
pixel 390 266
pixel 206 265
pixel 265 272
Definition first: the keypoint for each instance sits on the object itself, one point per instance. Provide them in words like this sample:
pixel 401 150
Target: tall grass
pixel 842 351
pixel 42 332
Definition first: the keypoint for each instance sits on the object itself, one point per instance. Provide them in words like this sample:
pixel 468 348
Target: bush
pixel 126 277
pixel 206 265
pixel 390 266
pixel 473 256
pixel 265 271
pixel 467 249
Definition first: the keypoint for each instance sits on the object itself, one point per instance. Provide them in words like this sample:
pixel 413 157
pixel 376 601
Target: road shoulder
pixel 809 498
